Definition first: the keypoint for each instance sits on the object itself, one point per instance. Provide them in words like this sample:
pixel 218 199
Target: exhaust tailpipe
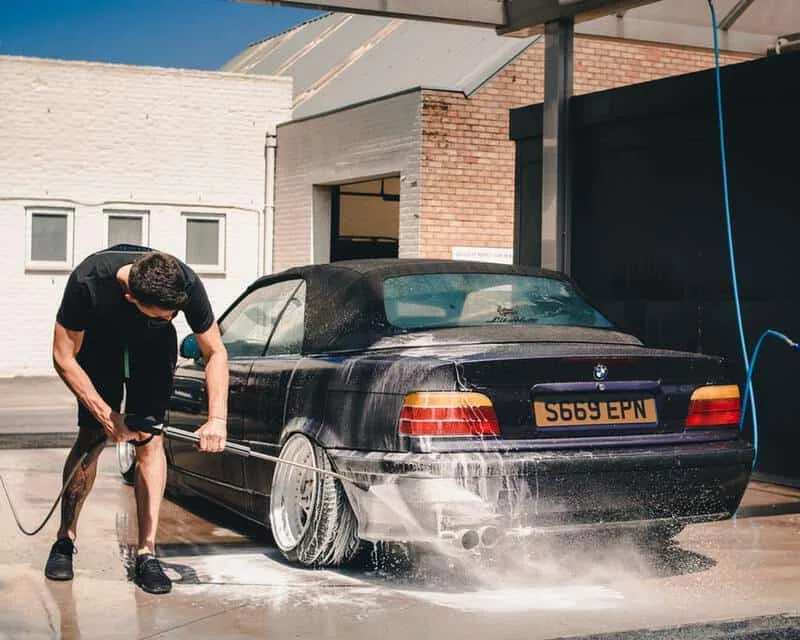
pixel 468 539
pixel 489 536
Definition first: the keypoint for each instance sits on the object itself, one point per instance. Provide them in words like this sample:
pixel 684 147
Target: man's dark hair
pixel 156 280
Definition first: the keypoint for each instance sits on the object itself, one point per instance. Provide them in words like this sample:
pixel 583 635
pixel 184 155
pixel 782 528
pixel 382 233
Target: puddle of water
pixel 575 598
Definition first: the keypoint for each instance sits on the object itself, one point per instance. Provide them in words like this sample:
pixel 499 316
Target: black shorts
pixel 152 354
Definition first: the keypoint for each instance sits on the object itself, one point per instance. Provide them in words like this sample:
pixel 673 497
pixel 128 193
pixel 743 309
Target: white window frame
pixel 49 265
pixel 221 218
pixel 144 216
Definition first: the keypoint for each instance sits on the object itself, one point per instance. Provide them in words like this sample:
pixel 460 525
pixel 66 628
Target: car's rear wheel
pixel 311 519
pixel 126 461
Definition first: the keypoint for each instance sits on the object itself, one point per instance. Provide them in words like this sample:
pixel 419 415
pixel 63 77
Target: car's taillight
pixel 457 413
pixel 714 406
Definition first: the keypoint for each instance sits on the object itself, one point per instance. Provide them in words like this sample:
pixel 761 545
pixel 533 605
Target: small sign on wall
pixel 484 254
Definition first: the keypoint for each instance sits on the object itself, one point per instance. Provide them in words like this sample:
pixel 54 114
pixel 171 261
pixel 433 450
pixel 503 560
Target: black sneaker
pixel 59 562
pixel 150 576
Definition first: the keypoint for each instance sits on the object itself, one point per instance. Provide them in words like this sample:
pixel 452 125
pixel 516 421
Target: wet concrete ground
pixel 230 582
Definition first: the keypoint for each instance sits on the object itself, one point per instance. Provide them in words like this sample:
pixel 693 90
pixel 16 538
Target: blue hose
pixel 748 362
pixel 748 386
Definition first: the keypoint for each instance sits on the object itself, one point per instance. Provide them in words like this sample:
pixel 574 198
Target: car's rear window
pixel 438 300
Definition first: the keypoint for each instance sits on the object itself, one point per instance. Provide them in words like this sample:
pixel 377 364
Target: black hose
pixel 78 464
pixel 149 425
pixel 55 504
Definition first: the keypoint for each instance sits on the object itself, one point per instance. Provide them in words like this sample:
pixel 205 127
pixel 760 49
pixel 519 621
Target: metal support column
pixel 558 59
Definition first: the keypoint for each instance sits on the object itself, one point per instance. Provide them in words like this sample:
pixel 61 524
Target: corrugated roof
pixel 753 26
pixel 340 59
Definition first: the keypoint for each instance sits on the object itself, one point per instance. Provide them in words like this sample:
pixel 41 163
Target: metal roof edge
pixel 388 96
pixel 354 105
pixel 442 90
pixel 255 43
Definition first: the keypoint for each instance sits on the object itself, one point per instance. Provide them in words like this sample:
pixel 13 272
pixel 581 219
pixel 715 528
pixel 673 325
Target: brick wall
pixel 467 157
pixel 89 138
pixel 606 64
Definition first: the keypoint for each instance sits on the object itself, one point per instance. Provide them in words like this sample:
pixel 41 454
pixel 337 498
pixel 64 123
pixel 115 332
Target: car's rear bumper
pixel 417 495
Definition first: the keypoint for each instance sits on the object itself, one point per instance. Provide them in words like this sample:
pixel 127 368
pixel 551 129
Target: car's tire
pixel 310 516
pixel 126 461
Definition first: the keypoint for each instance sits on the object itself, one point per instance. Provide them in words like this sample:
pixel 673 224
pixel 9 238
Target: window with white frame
pixel 49 234
pixel 127 227
pixel 205 242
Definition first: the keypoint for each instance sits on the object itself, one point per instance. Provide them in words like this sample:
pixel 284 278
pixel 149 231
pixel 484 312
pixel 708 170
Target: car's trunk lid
pixel 567 382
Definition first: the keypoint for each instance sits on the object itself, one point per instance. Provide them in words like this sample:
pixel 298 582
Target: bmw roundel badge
pixel 600 372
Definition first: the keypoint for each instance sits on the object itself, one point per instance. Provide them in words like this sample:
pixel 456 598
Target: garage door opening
pixel 365 219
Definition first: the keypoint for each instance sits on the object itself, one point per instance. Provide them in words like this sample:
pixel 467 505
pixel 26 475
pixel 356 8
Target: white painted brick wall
pixel 93 137
pixel 378 138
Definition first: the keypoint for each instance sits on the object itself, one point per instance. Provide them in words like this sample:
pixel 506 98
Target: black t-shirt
pixel 94 300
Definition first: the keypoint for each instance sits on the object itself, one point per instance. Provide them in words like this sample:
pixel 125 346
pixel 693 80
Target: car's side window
pixel 288 335
pixel 246 329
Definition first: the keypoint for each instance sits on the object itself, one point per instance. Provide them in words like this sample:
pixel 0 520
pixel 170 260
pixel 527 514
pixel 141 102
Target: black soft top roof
pixel 382 268
pixel 344 300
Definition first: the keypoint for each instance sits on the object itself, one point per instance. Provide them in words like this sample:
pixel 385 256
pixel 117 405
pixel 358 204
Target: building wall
pixel 468 158
pixel 365 141
pixel 89 138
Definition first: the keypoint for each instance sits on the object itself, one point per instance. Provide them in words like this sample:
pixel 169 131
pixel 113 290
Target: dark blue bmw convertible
pixel 479 402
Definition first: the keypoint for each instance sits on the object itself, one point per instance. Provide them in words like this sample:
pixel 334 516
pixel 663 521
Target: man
pixel 113 330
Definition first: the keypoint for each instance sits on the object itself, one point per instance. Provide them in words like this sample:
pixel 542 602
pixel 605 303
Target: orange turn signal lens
pixel 446 413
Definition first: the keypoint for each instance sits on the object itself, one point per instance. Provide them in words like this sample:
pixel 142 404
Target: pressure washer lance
pixel 148 424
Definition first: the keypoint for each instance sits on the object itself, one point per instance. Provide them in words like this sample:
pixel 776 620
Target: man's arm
pixel 66 344
pixel 214 432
